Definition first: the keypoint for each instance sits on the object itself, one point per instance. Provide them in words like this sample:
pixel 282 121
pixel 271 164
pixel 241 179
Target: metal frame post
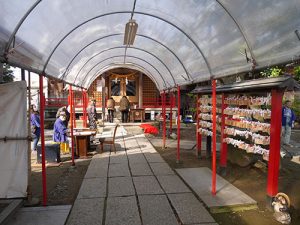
pixel 178 124
pixel 74 108
pixel 71 120
pixel 214 137
pixel 198 135
pixel 164 118
pixel 223 154
pixel 42 109
pixel 275 133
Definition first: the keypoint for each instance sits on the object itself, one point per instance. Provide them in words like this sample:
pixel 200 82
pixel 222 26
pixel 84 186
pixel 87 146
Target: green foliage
pixel 296 108
pixel 271 72
pixel 8 75
pixel 297 73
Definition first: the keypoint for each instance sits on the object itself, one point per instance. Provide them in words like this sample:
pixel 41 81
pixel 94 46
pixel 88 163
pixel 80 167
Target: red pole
pixel 71 119
pixel 42 109
pixel 214 137
pixel 171 113
pixel 164 118
pixel 223 156
pixel 84 109
pixel 82 103
pixel 198 135
pixel 274 153
pixel 74 108
pixel 178 124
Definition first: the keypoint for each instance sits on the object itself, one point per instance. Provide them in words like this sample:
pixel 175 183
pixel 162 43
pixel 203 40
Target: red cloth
pixel 149 129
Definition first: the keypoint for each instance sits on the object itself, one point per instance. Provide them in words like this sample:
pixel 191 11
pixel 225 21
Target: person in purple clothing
pixel 35 128
pixel 60 132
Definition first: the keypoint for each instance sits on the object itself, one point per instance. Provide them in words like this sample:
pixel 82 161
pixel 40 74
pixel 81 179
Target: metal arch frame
pixel 117 34
pixel 120 47
pixel 130 66
pixel 129 12
pixel 209 69
pixel 123 56
pixel 10 40
pixel 239 27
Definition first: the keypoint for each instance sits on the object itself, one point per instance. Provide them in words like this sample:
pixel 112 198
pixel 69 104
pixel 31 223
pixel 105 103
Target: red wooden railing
pixel 78 102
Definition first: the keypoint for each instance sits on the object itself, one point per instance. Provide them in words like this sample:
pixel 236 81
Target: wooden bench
pixel 109 140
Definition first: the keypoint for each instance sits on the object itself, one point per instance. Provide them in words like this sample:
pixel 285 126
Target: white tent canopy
pixel 177 42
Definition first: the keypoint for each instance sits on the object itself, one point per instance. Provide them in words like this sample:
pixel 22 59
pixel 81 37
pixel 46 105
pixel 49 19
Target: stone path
pixel 135 186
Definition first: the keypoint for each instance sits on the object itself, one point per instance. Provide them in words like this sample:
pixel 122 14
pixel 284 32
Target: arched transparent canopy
pixel 178 42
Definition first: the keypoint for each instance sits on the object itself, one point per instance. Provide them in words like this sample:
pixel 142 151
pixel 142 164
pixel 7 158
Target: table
pixel 82 142
pixel 137 114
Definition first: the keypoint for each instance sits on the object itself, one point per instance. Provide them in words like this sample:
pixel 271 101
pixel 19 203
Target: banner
pixel 13 153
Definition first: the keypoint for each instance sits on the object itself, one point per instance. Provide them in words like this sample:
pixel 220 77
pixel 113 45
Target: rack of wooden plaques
pixel 247 123
pixel 250 120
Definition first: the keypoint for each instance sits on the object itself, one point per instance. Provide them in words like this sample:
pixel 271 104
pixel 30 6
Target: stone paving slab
pixel 92 188
pixel 228 197
pixel 153 157
pixel 104 155
pixel 149 149
pixel 122 211
pixel 46 215
pixel 172 184
pixel 120 186
pixel 147 185
pixel 86 211
pixel 137 158
pixel 156 210
pixel 189 209
pixel 97 168
pixel 133 152
pixel 118 170
pixel 140 169
pixel 161 169
pixel 118 158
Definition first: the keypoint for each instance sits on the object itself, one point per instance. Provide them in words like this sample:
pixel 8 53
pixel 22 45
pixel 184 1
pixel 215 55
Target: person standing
pixel 124 108
pixel 92 115
pixel 35 128
pixel 288 119
pixel 111 109
pixel 60 133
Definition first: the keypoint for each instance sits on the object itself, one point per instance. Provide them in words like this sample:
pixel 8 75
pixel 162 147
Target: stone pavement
pixel 135 186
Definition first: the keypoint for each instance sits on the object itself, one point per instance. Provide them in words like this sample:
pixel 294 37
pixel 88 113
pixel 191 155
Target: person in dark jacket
pixel 124 108
pixel 111 109
pixel 60 132
pixel 35 128
pixel 288 119
pixel 92 115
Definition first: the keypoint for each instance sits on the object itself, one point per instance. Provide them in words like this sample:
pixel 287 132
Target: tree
pixel 8 74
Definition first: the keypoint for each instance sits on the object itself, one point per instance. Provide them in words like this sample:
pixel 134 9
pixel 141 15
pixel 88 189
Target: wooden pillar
pixel 42 109
pixel 275 133
pixel 214 137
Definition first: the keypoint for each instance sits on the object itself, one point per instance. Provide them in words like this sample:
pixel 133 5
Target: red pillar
pixel 275 132
pixel 42 108
pixel 178 124
pixel 84 109
pixel 214 137
pixel 171 113
pixel 82 104
pixel 223 156
pixel 71 119
pixel 198 135
pixel 74 108
pixel 164 118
